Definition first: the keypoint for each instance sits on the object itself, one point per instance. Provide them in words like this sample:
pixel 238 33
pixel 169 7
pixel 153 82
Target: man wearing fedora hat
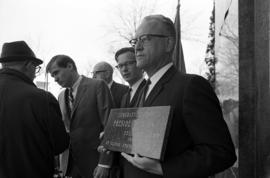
pixel 31 127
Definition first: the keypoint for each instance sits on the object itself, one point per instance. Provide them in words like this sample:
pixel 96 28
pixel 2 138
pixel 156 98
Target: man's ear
pixel 170 44
pixel 70 66
pixel 108 73
pixel 27 65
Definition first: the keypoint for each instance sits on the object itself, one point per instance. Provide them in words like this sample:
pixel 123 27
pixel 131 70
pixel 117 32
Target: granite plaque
pixel 141 130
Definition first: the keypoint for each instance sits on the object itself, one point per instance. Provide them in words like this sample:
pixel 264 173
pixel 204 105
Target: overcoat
pixel 31 128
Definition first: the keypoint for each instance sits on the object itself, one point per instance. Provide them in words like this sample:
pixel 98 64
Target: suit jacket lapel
pixel 112 87
pixel 123 101
pixel 80 92
pixel 137 94
pixel 63 101
pixel 159 86
pixel 65 110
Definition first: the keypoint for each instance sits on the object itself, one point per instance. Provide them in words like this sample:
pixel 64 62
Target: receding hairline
pixel 103 66
pixel 167 22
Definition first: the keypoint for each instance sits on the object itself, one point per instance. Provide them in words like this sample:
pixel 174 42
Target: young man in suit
pixel 199 143
pixel 31 128
pixel 104 71
pixel 85 106
pixel 126 64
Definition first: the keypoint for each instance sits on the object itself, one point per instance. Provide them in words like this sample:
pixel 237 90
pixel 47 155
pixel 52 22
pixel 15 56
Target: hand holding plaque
pixel 138 130
pixel 144 163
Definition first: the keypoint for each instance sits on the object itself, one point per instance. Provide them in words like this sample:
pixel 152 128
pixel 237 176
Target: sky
pixel 85 29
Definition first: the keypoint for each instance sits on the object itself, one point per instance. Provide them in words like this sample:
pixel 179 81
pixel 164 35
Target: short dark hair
pixel 123 50
pixel 62 61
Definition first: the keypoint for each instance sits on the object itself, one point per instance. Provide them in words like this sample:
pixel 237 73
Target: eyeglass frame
pixel 37 69
pixel 127 64
pixel 134 41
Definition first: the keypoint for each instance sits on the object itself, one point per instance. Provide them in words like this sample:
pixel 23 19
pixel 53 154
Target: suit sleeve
pixel 212 149
pixel 58 134
pixel 123 101
pixel 105 103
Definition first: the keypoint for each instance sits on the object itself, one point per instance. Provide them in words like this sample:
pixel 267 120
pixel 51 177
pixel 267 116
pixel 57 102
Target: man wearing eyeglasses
pixel 31 128
pixel 199 143
pixel 104 71
pixel 126 64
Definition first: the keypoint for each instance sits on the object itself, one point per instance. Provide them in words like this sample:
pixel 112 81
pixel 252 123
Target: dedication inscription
pixel 138 130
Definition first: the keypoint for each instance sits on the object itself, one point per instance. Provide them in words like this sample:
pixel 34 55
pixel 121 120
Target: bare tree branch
pixel 228 58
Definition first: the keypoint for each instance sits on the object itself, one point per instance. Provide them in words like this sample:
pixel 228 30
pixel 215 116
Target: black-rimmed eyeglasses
pixel 145 38
pixel 126 64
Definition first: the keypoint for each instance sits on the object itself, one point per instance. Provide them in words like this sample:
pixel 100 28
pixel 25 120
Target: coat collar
pixel 159 86
pixel 17 74
pixel 137 93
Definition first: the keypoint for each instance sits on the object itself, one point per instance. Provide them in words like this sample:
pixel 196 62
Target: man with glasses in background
pixel 126 64
pixel 199 143
pixel 104 71
pixel 31 128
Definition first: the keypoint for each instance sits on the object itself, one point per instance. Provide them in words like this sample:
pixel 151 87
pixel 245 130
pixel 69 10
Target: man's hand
pixel 101 172
pixel 102 149
pixel 147 164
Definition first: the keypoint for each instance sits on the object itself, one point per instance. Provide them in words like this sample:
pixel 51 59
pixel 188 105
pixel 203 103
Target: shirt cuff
pixel 104 166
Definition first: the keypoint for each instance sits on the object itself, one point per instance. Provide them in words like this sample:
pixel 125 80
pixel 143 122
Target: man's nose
pixel 56 79
pixel 138 46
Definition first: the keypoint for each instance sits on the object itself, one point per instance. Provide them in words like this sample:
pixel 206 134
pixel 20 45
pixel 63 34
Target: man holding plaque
pixel 199 143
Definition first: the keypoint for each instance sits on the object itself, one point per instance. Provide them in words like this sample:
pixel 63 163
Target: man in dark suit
pixel 85 106
pixel 199 143
pixel 104 71
pixel 126 64
pixel 31 128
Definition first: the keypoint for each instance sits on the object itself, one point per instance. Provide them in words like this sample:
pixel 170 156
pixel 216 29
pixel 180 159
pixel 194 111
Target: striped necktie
pixel 70 96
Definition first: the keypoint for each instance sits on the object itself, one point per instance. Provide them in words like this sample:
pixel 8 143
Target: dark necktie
pixel 145 90
pixel 70 96
pixel 69 99
pixel 128 97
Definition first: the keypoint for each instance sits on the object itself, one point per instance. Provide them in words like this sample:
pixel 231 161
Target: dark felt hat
pixel 18 51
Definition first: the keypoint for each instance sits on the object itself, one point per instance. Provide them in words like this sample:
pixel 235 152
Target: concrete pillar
pixel 254 105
